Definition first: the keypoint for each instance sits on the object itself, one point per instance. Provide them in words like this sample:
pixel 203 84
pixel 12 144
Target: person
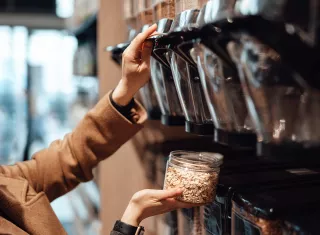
pixel 27 188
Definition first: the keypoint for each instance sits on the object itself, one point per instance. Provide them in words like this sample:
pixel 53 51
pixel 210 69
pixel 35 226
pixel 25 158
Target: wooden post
pixel 124 173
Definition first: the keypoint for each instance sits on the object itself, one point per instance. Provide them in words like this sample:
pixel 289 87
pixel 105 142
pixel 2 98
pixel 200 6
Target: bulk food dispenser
pixel 185 74
pixel 220 81
pixel 250 68
pixel 219 45
pixel 161 75
pixel 277 212
pixel 278 73
pixel 215 218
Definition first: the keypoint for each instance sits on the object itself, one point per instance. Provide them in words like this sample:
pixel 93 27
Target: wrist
pixel 131 215
pixel 123 94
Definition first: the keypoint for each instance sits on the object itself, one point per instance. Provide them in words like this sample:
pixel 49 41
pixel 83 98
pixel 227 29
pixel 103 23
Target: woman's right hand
pixel 147 203
pixel 135 67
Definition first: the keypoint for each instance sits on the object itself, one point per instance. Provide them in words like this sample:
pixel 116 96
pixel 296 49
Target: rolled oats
pixel 199 187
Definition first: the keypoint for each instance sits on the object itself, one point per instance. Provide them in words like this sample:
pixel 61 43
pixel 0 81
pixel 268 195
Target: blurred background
pixel 48 81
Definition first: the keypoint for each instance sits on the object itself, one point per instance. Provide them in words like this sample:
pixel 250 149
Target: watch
pixel 127 229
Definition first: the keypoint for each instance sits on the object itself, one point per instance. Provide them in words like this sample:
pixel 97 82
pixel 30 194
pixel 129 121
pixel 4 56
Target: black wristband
pixel 124 110
pixel 124 228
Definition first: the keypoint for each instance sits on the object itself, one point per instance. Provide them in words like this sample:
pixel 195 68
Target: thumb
pixel 170 193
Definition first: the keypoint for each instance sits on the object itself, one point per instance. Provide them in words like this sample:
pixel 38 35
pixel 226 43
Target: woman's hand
pixel 135 68
pixel 147 203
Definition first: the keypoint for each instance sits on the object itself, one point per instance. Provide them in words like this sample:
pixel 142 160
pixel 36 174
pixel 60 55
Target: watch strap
pixel 124 228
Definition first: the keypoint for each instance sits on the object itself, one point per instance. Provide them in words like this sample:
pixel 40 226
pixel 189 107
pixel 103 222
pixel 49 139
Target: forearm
pixel 61 167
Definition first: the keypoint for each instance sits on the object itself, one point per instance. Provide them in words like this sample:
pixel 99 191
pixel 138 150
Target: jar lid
pixel 200 161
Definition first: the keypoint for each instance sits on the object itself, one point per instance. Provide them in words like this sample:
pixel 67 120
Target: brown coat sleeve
pixel 61 167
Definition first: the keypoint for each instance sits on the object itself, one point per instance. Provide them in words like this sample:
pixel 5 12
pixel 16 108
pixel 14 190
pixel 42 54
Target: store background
pixel 45 90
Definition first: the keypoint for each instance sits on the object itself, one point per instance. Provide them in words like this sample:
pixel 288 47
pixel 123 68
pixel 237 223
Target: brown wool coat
pixel 27 188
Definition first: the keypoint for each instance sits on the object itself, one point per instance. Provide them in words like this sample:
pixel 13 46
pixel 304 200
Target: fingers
pixel 136 44
pixel 171 204
pixel 165 194
pixel 146 53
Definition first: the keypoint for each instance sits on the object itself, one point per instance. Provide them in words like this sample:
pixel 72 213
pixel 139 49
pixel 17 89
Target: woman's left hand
pixel 147 203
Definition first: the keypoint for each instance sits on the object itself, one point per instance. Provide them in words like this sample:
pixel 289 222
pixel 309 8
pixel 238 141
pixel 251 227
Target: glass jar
pixel 196 173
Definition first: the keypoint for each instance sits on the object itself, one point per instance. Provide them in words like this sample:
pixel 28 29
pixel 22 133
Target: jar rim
pixel 204 161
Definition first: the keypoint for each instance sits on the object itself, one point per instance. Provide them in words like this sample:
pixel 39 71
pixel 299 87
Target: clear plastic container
pixel 285 110
pixel 183 5
pixel 192 221
pixel 164 9
pixel 244 221
pixel 189 90
pixel 144 13
pixel 223 93
pixel 270 212
pixel 196 173
pixel 302 16
pixel 166 94
pixel 145 18
pixel 149 101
